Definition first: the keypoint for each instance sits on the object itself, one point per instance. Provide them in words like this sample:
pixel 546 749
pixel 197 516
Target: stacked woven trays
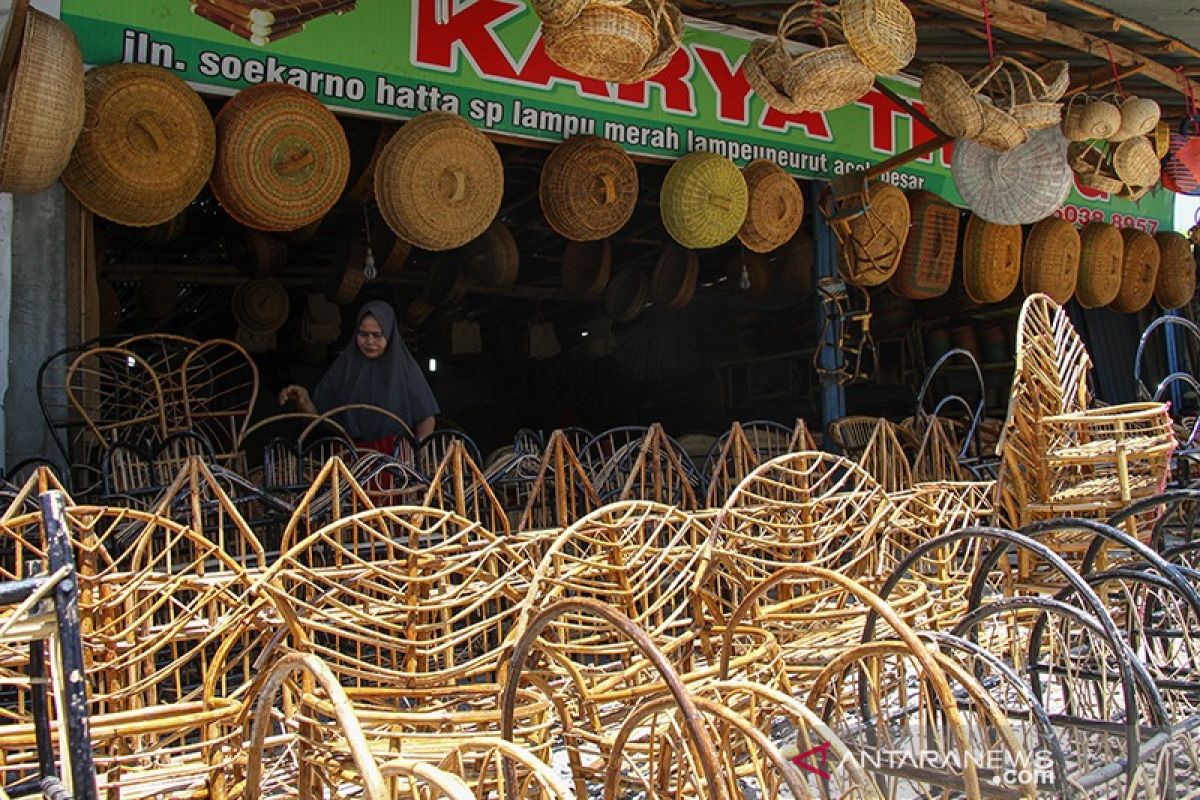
pixel 609 40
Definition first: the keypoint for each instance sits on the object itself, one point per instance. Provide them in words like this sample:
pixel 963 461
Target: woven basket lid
pixel 1139 272
pixel 748 272
pixel 43 106
pixel 704 200
pixel 11 36
pixel 493 259
pixel 991 260
pixel 345 277
pixel 794 265
pixel 157 295
pixel 588 188
pixel 282 158
pixel 147 146
pixel 673 283
pixel 626 295
pixel 882 33
pixel 439 182
pixel 257 254
pixel 607 42
pixel 261 305
pixel 586 268
pixel 1051 260
pixel 775 209
pixel 1101 254
pixel 926 266
pixel 1176 282
pixel 1018 187
pixel 877 237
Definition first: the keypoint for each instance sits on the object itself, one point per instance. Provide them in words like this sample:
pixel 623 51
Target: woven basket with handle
pixel 588 188
pixel 882 33
pixel 607 40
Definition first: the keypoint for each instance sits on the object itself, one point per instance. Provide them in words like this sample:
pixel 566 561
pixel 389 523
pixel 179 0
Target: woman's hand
pixel 300 396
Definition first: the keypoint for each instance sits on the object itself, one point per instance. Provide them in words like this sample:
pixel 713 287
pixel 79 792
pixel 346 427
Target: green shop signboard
pixel 484 60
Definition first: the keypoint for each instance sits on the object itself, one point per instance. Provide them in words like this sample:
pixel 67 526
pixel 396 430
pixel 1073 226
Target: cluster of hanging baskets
pixel 623 41
pixel 1117 146
pixel 856 40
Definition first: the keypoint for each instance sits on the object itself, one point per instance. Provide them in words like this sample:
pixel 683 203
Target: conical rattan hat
pixel 439 181
pixel 282 158
pixel 776 206
pixel 1139 272
pixel 1051 260
pixel 588 188
pixel 1102 252
pixel 1176 282
pixel 1017 187
pixel 43 106
pixel 146 149
pixel 991 260
pixel 704 200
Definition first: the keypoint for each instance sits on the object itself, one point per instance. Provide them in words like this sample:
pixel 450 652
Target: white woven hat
pixel 1018 187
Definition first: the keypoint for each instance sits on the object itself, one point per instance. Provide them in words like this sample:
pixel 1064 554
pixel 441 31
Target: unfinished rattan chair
pixel 851 434
pixel 730 460
pixel 558 493
pixel 333 495
pixel 884 459
pixel 457 484
pixel 219 383
pixel 659 470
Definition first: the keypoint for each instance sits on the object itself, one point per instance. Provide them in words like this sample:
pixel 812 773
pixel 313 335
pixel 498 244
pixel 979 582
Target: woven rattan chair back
pixel 884 458
pixel 457 484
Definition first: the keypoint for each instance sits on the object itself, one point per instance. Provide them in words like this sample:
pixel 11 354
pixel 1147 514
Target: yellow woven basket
pixel 704 200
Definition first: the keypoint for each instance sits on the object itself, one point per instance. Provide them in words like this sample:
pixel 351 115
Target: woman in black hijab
pixel 379 371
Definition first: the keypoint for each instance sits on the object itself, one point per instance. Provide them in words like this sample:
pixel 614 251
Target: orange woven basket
pixel 1139 272
pixel 1102 252
pixel 926 266
pixel 1051 261
pixel 1176 282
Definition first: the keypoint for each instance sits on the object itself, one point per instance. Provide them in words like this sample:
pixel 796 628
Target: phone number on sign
pixel 1084 215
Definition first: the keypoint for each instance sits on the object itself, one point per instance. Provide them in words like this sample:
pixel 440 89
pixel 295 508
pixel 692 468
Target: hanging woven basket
pixel 493 259
pixel 260 305
pixel 951 103
pixel 588 188
pixel 1051 261
pixel 282 158
pixel 586 268
pixel 882 33
pixel 1101 255
pixel 926 266
pixel 674 280
pixel 1136 163
pixel 439 182
pixel 607 41
pixel 43 106
pixel 775 209
pixel 147 147
pixel 704 200
pixel 1021 186
pixel 991 260
pixel 1176 281
pixel 557 12
pixel 873 241
pixel 1139 117
pixel 1139 272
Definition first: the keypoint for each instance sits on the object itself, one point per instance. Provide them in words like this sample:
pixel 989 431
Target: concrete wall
pixel 33 313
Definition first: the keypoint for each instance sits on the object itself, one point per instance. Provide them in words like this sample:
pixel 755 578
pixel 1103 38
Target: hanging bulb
pixel 369 266
pixel 744 281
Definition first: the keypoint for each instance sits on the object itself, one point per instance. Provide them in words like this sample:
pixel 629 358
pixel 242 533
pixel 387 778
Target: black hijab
pixel 392 381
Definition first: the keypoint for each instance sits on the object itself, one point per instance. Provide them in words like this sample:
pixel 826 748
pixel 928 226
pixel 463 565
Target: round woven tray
pixel 882 33
pixel 439 182
pixel 951 102
pixel 1051 260
pixel 1176 282
pixel 282 158
pixel 261 305
pixel 1018 187
pixel 588 188
pixel 674 280
pixel 704 200
pixel 43 106
pixel 256 253
pixel 1139 272
pixel 606 41
pixel 877 237
pixel 991 260
pixel 146 149
pixel 1101 254
pixel 626 295
pixel 926 266
pixel 586 268
pixel 493 259
pixel 775 209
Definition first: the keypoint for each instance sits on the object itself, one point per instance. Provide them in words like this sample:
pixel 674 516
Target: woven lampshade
pixel 876 238
pixel 674 280
pixel 282 158
pixel 1018 187
pixel 43 106
pixel 775 209
pixel 147 148
pixel 439 182
pixel 261 305
pixel 1051 261
pixel 586 268
pixel 626 295
pixel 493 258
pixel 882 33
pixel 588 188
pixel 926 265
pixel 1102 252
pixel 704 200
pixel 1139 272
pixel 991 260
pixel 1176 282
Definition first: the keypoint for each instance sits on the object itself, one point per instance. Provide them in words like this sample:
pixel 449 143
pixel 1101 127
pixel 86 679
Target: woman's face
pixel 370 338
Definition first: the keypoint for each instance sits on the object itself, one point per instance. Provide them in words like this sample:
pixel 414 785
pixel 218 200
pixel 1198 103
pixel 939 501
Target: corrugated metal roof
pixel 1179 19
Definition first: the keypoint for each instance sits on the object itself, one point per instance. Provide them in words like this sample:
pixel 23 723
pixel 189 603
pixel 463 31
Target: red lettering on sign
pixel 466 29
pixel 672 80
pixel 814 123
pixel 1090 193
pixel 884 114
pixel 539 70
pixel 821 750
pixel 921 135
pixel 733 90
